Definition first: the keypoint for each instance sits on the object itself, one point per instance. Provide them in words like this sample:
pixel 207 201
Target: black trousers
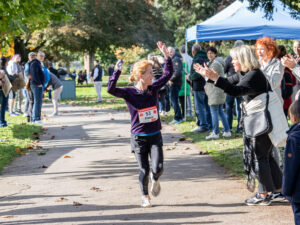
pixel 269 172
pixel 296 210
pixel 143 147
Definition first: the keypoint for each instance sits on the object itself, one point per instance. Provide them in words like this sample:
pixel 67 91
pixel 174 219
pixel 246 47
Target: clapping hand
pixel 2 74
pixel 289 61
pixel 206 72
pixel 163 48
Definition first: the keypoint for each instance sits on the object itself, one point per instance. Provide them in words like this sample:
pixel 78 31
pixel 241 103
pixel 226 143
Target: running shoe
pixel 155 187
pixel 277 197
pixel 258 200
pixel 13 114
pixel 176 122
pixel 146 201
pixel 212 135
pixel 227 134
pixel 196 129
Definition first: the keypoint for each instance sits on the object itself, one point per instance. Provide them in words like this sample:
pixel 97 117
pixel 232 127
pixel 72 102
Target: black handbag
pixel 258 123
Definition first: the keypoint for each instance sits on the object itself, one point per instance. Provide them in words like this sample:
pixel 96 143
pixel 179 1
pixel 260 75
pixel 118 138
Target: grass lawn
pixel 87 96
pixel 16 138
pixel 227 152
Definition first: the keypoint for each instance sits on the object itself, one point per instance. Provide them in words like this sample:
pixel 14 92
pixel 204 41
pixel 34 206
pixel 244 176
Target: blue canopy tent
pixel 238 22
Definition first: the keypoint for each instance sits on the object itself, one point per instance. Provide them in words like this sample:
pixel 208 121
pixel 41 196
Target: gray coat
pixel 274 72
pixel 216 96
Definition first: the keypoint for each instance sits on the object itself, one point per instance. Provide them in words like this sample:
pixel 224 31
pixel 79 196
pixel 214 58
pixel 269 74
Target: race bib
pixel 148 115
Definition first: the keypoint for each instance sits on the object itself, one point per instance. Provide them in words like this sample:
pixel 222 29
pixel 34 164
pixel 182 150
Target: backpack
pixel 287 85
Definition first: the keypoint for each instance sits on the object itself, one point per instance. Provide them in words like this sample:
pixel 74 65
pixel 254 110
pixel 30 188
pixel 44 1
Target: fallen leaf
pixel 169 148
pixel 187 148
pixel 8 216
pixel 62 199
pixel 76 204
pixel 95 189
pixel 182 139
pixel 30 146
pixel 175 143
pixel 41 153
pixel 203 153
pixel 52 137
pixel 188 140
pixel 42 167
pixel 67 156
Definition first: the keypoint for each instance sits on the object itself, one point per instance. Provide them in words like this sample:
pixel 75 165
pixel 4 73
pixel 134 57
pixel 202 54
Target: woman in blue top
pixel 142 101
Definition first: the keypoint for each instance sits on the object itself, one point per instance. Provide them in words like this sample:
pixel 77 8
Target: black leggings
pixel 143 147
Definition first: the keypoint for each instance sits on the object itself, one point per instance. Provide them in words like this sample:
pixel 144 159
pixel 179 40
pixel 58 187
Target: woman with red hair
pixel 267 51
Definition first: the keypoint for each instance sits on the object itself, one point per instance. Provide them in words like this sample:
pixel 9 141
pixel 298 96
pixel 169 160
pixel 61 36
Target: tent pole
pixel 186 65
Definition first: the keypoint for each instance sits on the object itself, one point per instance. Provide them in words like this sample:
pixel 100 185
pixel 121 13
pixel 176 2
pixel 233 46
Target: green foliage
pixel 269 8
pixel 182 14
pixel 100 24
pixel 21 16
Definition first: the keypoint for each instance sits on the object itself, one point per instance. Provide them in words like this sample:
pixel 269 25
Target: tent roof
pixel 238 22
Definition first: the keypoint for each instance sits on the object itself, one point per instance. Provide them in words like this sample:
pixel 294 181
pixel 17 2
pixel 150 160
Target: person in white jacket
pixel 267 51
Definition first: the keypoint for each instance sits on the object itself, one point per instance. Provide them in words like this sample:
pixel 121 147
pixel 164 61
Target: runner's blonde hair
pixel 139 68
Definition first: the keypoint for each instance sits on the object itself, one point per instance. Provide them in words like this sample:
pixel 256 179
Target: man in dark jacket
pixel 202 109
pixel 230 100
pixel 36 85
pixel 175 84
pixel 97 75
pixel 291 175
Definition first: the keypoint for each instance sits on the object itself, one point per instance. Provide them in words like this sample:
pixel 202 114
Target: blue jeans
pixel 3 106
pixel 296 210
pixel 229 109
pixel 216 111
pixel 174 92
pixel 37 103
pixel 202 110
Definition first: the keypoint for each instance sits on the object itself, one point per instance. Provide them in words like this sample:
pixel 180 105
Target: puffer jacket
pixel 216 96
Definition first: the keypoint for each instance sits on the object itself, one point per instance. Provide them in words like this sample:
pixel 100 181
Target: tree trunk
pixel 88 62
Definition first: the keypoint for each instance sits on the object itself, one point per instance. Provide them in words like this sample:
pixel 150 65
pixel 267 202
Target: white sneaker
pixel 146 201
pixel 38 122
pixel 53 114
pixel 227 134
pixel 196 129
pixel 25 114
pixel 212 135
pixel 155 187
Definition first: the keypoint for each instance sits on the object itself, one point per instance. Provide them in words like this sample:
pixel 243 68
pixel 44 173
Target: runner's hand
pixel 163 48
pixel 118 65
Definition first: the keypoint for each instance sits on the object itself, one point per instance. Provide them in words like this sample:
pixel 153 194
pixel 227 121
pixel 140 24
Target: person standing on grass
pixel 13 70
pixel 28 93
pixel 291 174
pixel 37 81
pixel 142 101
pixel 97 75
pixel 253 86
pixel 175 84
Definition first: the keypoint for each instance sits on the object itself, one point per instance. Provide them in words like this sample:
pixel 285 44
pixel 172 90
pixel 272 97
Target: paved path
pixel 89 162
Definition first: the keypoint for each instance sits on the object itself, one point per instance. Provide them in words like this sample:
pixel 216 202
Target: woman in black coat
pixel 250 82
